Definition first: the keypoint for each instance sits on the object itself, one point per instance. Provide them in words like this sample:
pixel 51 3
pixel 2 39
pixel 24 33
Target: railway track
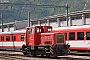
pixel 7 55
pixel 80 53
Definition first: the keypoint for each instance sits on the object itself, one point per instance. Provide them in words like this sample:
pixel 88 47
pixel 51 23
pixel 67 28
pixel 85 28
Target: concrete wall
pixel 21 24
pixel 6 29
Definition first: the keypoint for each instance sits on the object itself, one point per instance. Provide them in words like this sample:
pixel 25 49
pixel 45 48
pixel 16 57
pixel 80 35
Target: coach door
pixel 13 40
pixel 2 40
pixel 8 41
pixel 88 39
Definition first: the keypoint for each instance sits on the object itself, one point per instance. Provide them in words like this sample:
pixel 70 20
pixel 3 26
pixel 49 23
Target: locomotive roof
pixel 47 33
pixel 38 26
pixel 51 33
pixel 72 27
pixel 13 32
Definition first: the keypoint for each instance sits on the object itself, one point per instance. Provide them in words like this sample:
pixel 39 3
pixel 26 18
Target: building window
pixel 87 16
pixel 87 35
pixel 13 38
pixel 80 35
pixel 7 38
pixel 22 37
pixel 2 38
pixel 72 36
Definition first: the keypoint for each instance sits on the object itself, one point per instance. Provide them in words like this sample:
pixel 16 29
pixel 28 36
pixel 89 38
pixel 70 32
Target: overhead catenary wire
pixel 30 5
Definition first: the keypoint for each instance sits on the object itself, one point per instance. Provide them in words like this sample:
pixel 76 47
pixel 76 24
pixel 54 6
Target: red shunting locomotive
pixel 40 40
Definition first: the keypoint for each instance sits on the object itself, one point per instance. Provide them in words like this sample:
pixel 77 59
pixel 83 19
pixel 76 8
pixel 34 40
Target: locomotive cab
pixel 33 36
pixel 40 40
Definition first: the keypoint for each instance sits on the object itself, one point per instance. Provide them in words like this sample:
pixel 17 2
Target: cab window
pixel 31 31
pixel 38 30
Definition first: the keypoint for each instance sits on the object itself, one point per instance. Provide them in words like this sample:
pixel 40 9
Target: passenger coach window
pixel 65 36
pixel 13 38
pixel 72 36
pixel 7 38
pixel 87 35
pixel 80 35
pixel 22 37
pixel 2 38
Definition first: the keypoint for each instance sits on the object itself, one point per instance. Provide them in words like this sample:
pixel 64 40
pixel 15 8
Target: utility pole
pixel 2 22
pixel 28 19
pixel 67 13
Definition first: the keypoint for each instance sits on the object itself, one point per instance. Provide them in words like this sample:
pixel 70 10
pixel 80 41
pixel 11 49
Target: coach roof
pixel 13 32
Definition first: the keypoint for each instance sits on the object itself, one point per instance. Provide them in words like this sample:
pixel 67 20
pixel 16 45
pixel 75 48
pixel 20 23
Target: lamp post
pixel 2 15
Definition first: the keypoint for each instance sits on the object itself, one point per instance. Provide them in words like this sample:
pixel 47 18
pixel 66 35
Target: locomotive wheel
pixel 25 53
pixel 33 54
pixel 42 55
pixel 53 56
pixel 48 55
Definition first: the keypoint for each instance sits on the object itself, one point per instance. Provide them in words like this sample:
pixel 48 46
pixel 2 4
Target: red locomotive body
pixel 40 40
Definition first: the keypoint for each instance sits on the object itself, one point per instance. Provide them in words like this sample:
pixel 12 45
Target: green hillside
pixel 20 12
